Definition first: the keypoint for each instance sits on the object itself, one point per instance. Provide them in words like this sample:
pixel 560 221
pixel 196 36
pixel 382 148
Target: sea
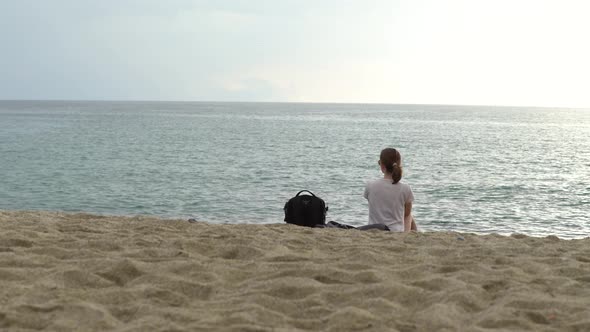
pixel 476 169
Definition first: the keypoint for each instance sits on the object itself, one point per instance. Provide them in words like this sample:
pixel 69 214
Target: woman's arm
pixel 408 217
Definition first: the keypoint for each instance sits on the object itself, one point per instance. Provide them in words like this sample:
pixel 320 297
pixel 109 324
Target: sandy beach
pixel 63 272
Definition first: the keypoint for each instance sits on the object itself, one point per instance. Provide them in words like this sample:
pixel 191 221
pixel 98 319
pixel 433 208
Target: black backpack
pixel 305 210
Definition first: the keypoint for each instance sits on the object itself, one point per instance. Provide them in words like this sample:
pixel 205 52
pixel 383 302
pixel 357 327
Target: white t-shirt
pixel 387 202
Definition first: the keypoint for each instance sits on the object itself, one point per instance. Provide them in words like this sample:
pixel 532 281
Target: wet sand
pixel 93 273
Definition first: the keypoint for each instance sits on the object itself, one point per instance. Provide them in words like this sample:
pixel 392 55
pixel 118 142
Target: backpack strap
pixel 303 191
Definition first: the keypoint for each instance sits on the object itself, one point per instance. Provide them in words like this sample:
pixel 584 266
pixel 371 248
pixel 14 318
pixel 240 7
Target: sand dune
pixel 62 272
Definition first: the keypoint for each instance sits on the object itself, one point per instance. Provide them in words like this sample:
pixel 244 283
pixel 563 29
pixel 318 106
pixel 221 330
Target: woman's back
pixel 387 202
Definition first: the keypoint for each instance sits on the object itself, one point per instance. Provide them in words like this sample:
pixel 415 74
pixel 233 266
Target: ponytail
pixel 391 158
pixel 396 173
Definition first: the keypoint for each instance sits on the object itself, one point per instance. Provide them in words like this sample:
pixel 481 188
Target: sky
pixel 474 52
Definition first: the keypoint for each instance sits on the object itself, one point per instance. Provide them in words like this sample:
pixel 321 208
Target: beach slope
pixel 85 272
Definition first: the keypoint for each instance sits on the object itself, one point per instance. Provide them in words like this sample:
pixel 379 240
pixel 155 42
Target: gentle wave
pixel 472 169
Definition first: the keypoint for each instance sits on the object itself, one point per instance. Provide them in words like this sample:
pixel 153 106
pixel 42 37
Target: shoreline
pixel 90 272
pixel 229 223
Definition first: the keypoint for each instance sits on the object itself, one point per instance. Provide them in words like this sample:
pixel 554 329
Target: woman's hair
pixel 391 159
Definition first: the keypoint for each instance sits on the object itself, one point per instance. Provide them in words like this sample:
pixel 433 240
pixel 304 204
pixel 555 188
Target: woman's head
pixel 391 163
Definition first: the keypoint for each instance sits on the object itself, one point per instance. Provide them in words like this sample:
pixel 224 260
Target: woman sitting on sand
pixel 390 201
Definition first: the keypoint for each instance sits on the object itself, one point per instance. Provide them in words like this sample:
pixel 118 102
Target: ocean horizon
pixel 481 169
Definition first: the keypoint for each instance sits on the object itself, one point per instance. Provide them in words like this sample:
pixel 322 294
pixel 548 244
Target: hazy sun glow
pixel 520 52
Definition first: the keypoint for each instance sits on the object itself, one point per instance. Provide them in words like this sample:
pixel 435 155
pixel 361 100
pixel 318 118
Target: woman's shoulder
pixel 383 181
pixel 374 182
pixel 404 185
